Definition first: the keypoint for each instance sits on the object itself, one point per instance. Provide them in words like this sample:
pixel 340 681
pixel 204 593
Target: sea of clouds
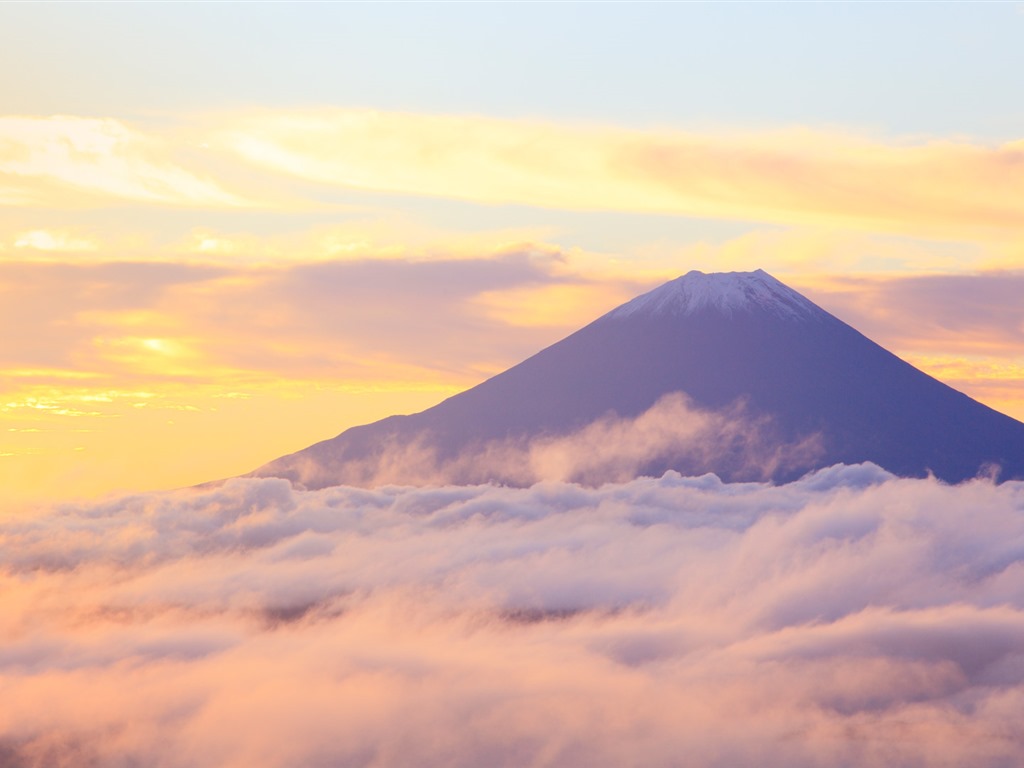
pixel 848 619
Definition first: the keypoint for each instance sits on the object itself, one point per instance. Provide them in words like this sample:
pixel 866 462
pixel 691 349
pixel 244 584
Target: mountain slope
pixel 762 369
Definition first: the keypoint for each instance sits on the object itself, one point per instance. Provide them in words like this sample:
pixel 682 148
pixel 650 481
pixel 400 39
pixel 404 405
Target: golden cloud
pixel 936 188
pixel 68 160
pixel 932 188
pixel 46 240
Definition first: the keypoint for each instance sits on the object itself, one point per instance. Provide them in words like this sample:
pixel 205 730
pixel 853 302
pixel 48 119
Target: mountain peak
pixel 731 373
pixel 726 292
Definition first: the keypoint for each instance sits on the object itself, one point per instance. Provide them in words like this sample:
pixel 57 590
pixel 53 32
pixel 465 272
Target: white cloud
pixel 54 160
pixel 45 240
pixel 794 176
pixel 612 448
pixel 851 618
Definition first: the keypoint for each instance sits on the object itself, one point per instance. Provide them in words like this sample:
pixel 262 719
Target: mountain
pixel 732 373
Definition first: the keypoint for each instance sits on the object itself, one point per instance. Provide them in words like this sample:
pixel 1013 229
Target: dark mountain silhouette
pixel 772 387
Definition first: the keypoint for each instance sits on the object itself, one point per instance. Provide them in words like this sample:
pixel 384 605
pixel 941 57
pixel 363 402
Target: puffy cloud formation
pixel 850 618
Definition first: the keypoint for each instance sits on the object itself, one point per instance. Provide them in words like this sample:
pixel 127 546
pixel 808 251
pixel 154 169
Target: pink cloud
pixel 848 618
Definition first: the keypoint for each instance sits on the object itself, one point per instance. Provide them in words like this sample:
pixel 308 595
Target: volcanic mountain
pixel 731 373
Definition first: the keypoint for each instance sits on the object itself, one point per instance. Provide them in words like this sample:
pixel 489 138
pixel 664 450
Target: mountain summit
pixel 726 292
pixel 732 373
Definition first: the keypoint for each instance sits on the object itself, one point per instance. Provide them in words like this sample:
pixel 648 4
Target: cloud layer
pixel 851 618
pixel 794 176
pixel 66 160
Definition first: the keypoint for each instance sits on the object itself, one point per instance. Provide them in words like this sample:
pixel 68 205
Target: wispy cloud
pixel 68 161
pixel 850 618
pixel 798 176
pixel 612 448
pixel 353 318
pixel 966 329
pixel 969 313
pixel 44 240
pixel 360 338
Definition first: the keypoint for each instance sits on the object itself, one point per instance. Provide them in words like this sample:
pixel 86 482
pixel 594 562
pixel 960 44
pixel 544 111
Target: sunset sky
pixel 231 230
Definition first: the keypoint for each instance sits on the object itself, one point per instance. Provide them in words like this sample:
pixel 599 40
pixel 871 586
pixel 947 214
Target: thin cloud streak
pixel 966 330
pixel 974 314
pixel 55 161
pixel 798 176
pixel 337 317
pixel 848 618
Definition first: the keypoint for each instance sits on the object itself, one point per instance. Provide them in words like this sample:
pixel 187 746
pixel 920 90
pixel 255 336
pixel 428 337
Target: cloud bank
pixel 851 618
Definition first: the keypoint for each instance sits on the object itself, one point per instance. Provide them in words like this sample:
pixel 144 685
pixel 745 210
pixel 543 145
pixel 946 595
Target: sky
pixel 231 230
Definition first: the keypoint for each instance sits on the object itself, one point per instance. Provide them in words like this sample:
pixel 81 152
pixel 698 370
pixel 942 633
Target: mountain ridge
pixel 764 369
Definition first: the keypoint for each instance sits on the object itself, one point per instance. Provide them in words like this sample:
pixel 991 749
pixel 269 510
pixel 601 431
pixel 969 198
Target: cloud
pixel 55 161
pixel 848 618
pixel 104 355
pixel 612 448
pixel 975 313
pixel 965 329
pixel 125 347
pixel 334 319
pixel 50 304
pixel 796 176
pixel 44 240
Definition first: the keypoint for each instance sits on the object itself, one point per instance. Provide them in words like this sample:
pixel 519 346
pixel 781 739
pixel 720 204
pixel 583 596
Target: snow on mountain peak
pixel 727 292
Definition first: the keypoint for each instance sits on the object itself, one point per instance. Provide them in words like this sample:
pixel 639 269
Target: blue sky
pixel 898 68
